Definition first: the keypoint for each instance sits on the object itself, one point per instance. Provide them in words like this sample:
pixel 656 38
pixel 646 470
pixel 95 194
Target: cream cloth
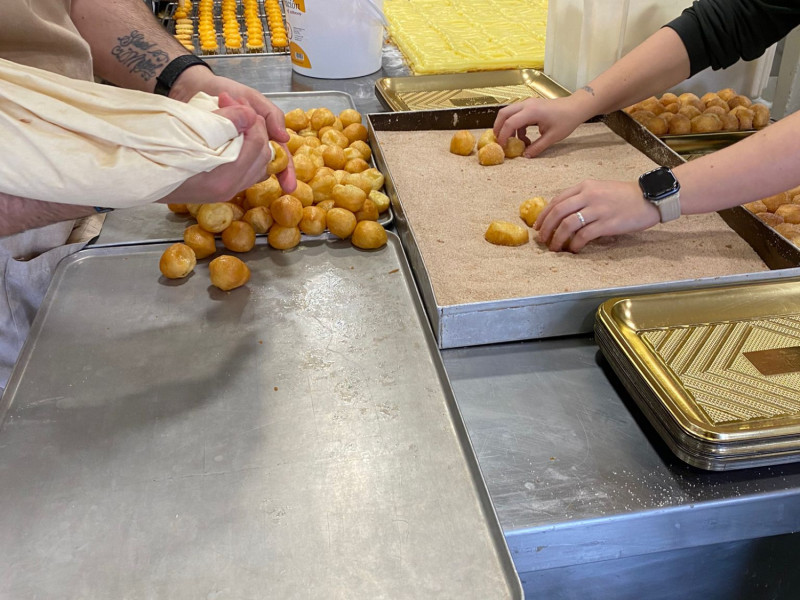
pixel 79 142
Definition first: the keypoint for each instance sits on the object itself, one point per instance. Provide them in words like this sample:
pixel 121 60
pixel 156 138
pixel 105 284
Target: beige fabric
pixel 39 33
pixel 79 142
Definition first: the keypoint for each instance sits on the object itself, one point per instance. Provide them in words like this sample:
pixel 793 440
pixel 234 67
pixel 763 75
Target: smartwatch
pixel 661 188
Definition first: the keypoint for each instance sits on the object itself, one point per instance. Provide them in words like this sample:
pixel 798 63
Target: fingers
pixel 242 116
pixel 501 129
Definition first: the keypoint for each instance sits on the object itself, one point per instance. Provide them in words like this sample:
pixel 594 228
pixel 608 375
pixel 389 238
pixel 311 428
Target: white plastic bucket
pixel 335 39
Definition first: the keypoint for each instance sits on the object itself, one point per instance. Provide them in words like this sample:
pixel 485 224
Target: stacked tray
pixel 716 371
pixel 294 438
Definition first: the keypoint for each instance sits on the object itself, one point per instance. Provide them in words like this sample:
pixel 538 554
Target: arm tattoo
pixel 588 88
pixel 139 56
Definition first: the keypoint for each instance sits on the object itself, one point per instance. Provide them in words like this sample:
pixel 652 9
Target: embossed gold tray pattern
pixel 426 92
pixel 717 371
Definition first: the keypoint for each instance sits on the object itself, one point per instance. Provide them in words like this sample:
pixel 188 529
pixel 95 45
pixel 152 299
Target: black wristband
pixel 173 70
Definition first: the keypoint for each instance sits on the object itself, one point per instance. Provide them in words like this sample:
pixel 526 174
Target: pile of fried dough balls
pixel 501 233
pixel 687 113
pixel 489 151
pixel 337 191
pixel 781 212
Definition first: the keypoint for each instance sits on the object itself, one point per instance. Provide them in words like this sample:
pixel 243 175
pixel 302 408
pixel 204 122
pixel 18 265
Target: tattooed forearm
pixel 140 56
pixel 588 88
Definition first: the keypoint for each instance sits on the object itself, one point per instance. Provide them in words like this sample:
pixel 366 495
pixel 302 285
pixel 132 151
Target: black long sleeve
pixel 717 33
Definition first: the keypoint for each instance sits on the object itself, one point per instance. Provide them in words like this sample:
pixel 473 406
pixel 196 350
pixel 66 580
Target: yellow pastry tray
pixel 716 371
pixel 458 90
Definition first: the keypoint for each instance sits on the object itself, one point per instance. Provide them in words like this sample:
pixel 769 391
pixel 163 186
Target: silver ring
pixel 580 218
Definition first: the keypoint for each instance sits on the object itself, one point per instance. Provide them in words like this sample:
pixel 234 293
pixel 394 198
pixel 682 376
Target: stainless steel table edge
pixel 651 531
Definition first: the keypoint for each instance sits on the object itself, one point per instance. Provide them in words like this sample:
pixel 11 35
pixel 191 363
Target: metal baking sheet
pixel 716 371
pixel 564 313
pixel 168 20
pixel 483 88
pixel 694 145
pixel 153 223
pixel 293 438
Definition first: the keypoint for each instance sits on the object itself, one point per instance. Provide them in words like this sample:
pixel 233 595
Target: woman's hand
pixel 593 209
pixel 556 119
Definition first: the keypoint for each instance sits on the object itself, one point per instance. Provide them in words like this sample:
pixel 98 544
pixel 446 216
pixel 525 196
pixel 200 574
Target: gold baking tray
pixel 716 371
pixel 458 90
pixel 698 144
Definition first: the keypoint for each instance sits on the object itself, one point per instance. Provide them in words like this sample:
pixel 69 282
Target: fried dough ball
pixel 380 200
pixel 322 117
pixel 705 98
pixel 690 112
pixel 671 108
pixel 312 142
pixel 215 217
pixel 340 175
pixel 280 159
pixel 789 212
pixel 667 117
pixel 304 193
pixel 263 193
pixel 369 235
pixel 326 205
pixel 239 237
pixel 756 207
pixel 717 110
pixel 259 218
pixel 238 211
pixel 304 167
pixel 335 138
pixel 355 132
pixel 739 100
pixel 360 180
pixel 356 165
pixel 760 115
pixel 770 219
pixel 688 98
pixel 369 212
pixel 283 238
pixel 642 116
pixel 491 154
pixel 717 102
pixel 726 94
pixel 487 137
pixel 313 221
pixel 652 104
pixel 788 230
pixel 744 115
pixel 348 196
pixel 199 240
pixel 296 119
pixel 294 143
pixel 773 202
pixel 192 209
pixel 287 211
pixel 341 222
pixel 706 124
pixel 362 148
pixel 462 143
pixel 514 147
pixel 334 157
pixel 680 125
pixel 177 261
pixel 374 177
pixel 228 272
pixel 503 233
pixel 308 132
pixel 531 208
pixel 669 98
pixel 178 209
pixel 657 126
pixel 349 116
pixel 321 186
pixel 729 122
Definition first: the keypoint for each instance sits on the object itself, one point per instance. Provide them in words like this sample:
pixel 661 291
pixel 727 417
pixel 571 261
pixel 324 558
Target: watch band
pixel 166 79
pixel 670 207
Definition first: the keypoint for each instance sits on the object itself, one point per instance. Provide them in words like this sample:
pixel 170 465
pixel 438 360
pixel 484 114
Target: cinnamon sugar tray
pixel 477 293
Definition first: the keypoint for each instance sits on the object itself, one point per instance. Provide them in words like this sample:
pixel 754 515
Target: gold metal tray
pixel 697 144
pixel 458 90
pixel 716 371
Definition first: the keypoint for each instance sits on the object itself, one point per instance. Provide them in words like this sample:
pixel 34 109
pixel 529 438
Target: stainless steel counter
pixel 586 492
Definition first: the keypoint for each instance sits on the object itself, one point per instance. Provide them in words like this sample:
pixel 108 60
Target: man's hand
pixel 200 79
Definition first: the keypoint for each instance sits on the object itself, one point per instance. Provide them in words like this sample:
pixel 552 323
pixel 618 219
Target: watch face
pixel 658 183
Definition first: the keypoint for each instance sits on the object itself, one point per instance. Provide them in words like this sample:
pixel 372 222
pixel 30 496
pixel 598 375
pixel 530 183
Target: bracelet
pixel 173 70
